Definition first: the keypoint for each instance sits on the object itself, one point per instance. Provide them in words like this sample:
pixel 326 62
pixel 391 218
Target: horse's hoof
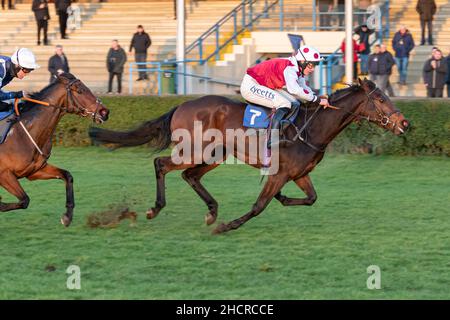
pixel 66 221
pixel 151 214
pixel 210 219
pixel 221 228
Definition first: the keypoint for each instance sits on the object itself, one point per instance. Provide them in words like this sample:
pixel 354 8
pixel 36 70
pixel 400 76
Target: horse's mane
pixel 41 95
pixel 341 93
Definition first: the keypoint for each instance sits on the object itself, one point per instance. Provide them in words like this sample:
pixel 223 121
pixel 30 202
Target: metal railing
pixel 161 68
pixel 241 18
pixel 291 18
pixel 332 61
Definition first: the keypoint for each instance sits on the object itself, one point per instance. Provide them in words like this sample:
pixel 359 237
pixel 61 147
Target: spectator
pixel 433 50
pixel 325 6
pixel 362 10
pixel 340 9
pixel 364 47
pixel 355 56
pixel 10 5
pixel 435 75
pixel 61 7
pixel 174 9
pixel 58 63
pixel 74 13
pixel 426 10
pixel 380 68
pixel 386 63
pixel 141 41
pixel 41 14
pixel 448 76
pixel 373 64
pixel 115 61
pixel 402 43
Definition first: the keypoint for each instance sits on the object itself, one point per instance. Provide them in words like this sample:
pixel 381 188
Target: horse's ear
pixel 360 82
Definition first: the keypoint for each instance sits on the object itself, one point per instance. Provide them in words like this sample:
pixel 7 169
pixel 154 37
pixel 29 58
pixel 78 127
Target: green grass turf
pixel 387 211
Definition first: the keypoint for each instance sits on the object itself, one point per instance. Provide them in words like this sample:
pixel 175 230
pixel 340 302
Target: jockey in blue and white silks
pixel 19 65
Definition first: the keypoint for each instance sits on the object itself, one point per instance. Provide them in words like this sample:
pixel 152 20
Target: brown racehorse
pixel 20 158
pixel 296 159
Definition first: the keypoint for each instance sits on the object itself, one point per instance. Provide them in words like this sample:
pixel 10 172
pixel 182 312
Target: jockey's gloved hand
pixel 18 94
pixel 324 102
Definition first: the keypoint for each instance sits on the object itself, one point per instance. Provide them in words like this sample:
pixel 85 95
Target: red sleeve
pixel 355 46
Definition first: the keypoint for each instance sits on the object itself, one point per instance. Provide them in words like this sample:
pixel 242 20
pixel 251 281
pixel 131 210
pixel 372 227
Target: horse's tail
pixel 155 132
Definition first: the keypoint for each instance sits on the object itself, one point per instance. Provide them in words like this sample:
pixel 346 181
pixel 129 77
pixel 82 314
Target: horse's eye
pixel 381 100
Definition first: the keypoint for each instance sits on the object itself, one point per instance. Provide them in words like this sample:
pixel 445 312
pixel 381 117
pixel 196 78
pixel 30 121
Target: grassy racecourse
pixel 387 211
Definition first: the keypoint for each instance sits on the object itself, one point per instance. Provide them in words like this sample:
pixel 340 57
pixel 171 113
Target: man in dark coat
pixel 141 41
pixel 380 68
pixel 10 5
pixel 426 10
pixel 58 63
pixel 386 63
pixel 341 9
pixel 373 63
pixel 61 10
pixel 325 7
pixel 435 74
pixel 402 43
pixel 364 33
pixel 448 76
pixel 40 9
pixel 115 61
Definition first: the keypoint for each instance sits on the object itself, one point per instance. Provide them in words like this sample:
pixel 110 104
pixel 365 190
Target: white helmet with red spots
pixel 308 54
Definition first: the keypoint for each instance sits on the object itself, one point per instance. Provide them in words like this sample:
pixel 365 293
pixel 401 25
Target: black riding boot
pixel 5 107
pixel 276 121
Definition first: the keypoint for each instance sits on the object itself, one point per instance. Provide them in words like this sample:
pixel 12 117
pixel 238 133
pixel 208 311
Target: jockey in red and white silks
pixel 263 83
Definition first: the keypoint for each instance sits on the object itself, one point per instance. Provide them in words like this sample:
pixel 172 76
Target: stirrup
pixel 282 142
pixel 284 124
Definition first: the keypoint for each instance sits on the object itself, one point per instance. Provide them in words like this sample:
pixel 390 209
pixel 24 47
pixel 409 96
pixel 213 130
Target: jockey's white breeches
pixel 252 91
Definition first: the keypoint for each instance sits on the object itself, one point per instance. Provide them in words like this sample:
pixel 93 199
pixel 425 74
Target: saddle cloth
pixel 5 124
pixel 258 117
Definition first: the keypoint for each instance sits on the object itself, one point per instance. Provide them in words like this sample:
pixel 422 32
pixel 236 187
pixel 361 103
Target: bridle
pixel 383 118
pixel 72 107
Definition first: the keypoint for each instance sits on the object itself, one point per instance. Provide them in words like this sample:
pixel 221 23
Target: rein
pixel 303 128
pixel 70 107
pixel 383 118
pixel 16 110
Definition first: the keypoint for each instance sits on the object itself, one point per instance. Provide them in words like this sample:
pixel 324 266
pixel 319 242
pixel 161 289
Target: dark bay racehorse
pixel 20 158
pixel 296 160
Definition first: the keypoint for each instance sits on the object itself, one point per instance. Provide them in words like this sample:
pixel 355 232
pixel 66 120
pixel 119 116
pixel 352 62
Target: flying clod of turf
pixel 111 217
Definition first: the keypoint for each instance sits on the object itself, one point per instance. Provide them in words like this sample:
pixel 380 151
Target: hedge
pixel 429 134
